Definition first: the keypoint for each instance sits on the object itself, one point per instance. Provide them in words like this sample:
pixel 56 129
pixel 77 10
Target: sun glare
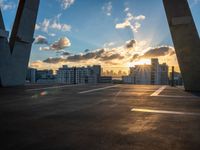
pixel 140 62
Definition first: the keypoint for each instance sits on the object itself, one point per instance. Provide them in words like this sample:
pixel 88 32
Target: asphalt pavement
pixel 99 117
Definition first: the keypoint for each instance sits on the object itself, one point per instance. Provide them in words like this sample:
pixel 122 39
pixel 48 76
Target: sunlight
pixel 140 62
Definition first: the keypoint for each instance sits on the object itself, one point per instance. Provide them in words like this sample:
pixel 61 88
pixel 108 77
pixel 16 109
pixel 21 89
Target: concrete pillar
pixel 186 41
pixel 15 53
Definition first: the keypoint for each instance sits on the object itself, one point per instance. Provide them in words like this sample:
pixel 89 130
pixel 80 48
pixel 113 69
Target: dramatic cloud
pixel 132 22
pixel 126 55
pixel 155 52
pixel 53 24
pixel 41 40
pixel 5 5
pixel 87 56
pixel 66 3
pixel 107 8
pixel 100 55
pixel 59 45
pixel 159 51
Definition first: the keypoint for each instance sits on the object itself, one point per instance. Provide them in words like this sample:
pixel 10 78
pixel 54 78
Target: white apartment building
pixel 78 75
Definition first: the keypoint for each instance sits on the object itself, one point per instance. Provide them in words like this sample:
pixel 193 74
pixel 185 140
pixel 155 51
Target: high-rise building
pixel 163 72
pixel 154 71
pixel 155 74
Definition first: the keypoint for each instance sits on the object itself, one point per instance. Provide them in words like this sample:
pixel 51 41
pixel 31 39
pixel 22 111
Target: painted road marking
pixel 53 87
pixel 165 112
pixel 157 92
pixel 98 89
pixel 177 96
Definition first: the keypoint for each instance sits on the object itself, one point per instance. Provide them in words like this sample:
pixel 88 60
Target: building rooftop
pixel 102 116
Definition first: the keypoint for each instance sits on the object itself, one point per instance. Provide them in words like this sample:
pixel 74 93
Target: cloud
pixel 54 60
pixel 99 55
pixel 107 8
pixel 131 21
pixel 126 9
pixel 61 44
pixel 5 5
pixel 86 50
pixel 41 40
pixel 91 55
pixel 104 56
pixel 135 56
pixel 156 52
pixel 159 51
pixel 111 57
pixel 66 53
pixel 66 3
pixel 110 44
pixel 125 55
pixel 53 24
pixel 42 65
pixel 131 44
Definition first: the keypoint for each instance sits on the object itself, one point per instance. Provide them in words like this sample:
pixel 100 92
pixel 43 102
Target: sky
pixel 112 33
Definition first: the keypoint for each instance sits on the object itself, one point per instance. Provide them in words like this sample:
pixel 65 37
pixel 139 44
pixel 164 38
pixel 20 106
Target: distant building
pixel 142 74
pixel 156 74
pixel 40 76
pixel 128 79
pixel 163 72
pixel 178 80
pixel 105 79
pixel 31 75
pixel 44 74
pixel 45 77
pixel 79 75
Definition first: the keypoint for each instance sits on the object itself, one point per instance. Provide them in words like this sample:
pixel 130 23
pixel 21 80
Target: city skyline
pixel 117 34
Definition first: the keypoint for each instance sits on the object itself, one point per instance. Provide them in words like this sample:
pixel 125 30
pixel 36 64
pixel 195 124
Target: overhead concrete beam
pixel 186 41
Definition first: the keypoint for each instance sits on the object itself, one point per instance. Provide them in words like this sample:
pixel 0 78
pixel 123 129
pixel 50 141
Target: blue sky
pixel 91 24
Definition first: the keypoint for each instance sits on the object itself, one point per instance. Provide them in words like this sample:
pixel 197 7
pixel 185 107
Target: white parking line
pixel 157 92
pixel 177 96
pixel 98 89
pixel 165 112
pixel 53 87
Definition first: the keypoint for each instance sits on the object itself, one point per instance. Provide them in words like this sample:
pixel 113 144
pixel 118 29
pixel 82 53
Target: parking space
pixel 100 117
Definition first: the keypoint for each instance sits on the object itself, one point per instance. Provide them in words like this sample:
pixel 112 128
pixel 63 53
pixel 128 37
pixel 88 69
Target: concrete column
pixel 186 41
pixel 15 54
